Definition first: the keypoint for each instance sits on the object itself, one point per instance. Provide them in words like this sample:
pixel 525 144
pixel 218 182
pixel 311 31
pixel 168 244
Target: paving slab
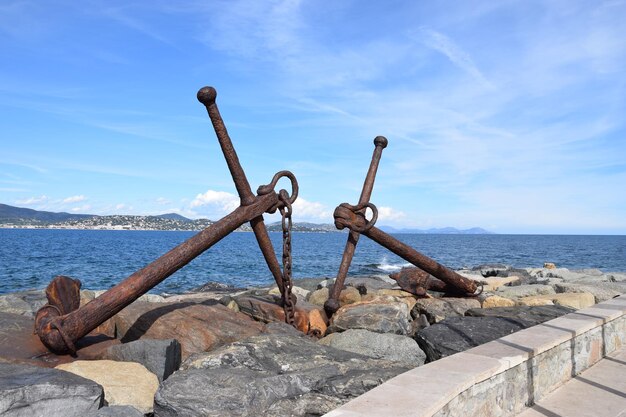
pixel 600 391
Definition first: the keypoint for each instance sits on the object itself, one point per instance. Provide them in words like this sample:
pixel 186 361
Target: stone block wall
pixel 503 377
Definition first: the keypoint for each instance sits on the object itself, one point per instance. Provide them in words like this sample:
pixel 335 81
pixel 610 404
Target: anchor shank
pixel 207 96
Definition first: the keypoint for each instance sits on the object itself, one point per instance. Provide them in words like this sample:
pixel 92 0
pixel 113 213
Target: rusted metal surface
pixel 417 281
pixel 353 217
pixel 61 323
pixel 332 304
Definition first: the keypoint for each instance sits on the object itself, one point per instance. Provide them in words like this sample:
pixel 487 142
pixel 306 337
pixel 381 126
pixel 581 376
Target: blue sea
pixel 30 258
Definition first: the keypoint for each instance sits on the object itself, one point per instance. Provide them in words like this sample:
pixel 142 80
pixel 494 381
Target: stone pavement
pixel 600 391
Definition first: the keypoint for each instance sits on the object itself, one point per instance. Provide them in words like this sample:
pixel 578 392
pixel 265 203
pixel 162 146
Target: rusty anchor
pixel 61 322
pixel 354 218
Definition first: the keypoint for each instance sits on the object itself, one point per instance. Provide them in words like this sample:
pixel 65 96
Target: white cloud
pixel 33 200
pixel 388 214
pixel 217 201
pixel 74 199
pixel 304 210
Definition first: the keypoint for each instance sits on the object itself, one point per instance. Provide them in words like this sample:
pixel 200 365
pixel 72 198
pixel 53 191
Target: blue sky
pixel 507 115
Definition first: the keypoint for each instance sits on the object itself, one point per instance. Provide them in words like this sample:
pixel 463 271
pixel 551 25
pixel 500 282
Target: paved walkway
pixel 600 391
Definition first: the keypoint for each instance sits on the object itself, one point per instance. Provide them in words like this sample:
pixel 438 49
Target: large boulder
pixel 124 383
pixel 27 391
pixel 270 375
pixel 391 347
pixel 376 316
pixel 197 326
pixel 532 315
pixel 19 344
pixel 456 334
pixel 437 309
pixel 161 357
pixel 25 303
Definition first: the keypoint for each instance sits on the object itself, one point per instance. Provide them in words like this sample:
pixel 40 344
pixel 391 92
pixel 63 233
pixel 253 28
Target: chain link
pixel 288 304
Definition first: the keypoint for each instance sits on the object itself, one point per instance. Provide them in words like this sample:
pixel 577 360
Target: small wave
pixel 392 267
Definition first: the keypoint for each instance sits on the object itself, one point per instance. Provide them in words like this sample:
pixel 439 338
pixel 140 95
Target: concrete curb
pixel 504 376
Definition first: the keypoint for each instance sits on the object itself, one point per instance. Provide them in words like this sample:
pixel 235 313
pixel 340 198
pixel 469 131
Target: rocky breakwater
pixel 223 351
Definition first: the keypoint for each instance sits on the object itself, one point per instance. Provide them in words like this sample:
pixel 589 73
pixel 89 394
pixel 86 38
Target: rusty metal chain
pixel 285 212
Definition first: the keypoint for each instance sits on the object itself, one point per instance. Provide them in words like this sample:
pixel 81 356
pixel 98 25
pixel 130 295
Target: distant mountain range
pixel 439 231
pixel 20 217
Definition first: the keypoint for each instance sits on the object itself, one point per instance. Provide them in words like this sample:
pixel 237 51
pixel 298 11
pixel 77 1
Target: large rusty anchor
pixel 354 218
pixel 60 323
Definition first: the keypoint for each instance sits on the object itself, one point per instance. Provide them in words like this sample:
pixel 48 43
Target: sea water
pixel 30 258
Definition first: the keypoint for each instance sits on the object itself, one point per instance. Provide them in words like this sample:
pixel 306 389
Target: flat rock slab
pixel 575 300
pixel 391 347
pixel 197 326
pixel 376 316
pixel 18 344
pixel 602 291
pixel 270 375
pixel 457 334
pixel 124 383
pixel 525 290
pixel 27 391
pixel 437 309
pixel 533 315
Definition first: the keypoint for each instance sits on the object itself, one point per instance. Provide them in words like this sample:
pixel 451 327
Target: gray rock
pixel 437 309
pixel 269 375
pixel 602 291
pixel 525 290
pixel 118 411
pixel 25 303
pixel 524 276
pixel 367 285
pixel 161 357
pixel 589 271
pixel 457 334
pixel 27 391
pixel 391 317
pixel 391 347
pixel 312 284
pixel 533 315
pixel 491 270
pixel 615 277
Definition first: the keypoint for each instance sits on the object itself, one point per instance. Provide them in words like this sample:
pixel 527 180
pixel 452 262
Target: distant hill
pixel 11 213
pixel 174 216
pixel 19 217
pixel 439 231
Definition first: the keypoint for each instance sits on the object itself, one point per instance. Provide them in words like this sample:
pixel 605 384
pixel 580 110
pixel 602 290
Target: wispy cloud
pixel 74 199
pixel 33 200
pixel 445 45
